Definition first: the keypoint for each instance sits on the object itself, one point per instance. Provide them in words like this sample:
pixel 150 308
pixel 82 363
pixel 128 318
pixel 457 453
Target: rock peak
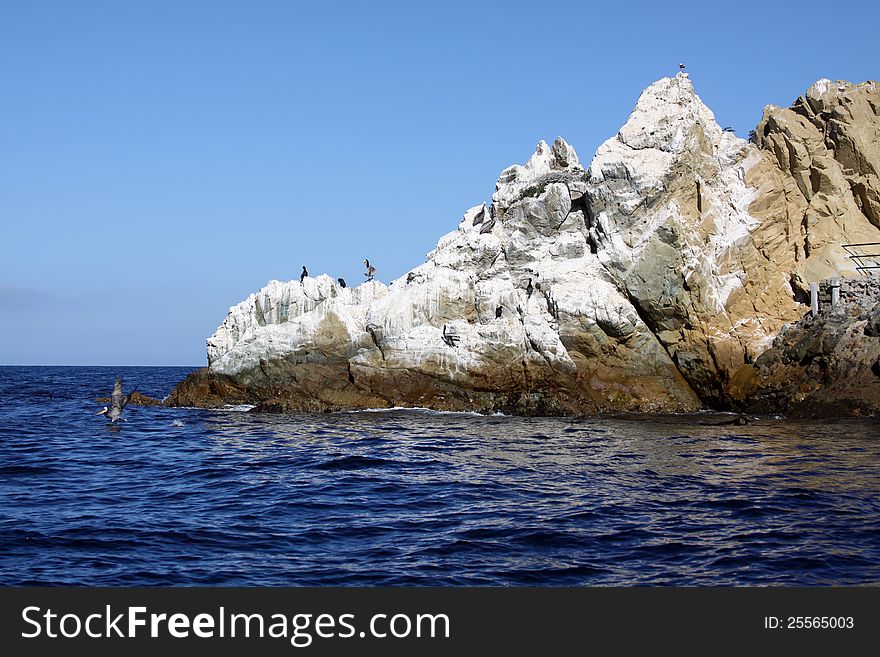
pixel 552 158
pixel 665 113
pixel 546 160
pixel 824 95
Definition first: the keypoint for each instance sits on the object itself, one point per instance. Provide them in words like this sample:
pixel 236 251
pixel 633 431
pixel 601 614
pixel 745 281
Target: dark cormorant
pixel 341 282
pixel 305 273
pixel 529 288
pixel 498 312
pixel 370 270
pixel 118 401
pixel 410 277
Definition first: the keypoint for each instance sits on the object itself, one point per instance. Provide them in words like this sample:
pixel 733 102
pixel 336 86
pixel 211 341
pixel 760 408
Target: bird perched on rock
pixel 498 312
pixel 410 277
pixel 305 273
pixel 341 282
pixel 371 270
pixel 529 288
pixel 118 402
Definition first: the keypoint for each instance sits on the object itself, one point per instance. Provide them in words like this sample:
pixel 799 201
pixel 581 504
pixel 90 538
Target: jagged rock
pixel 819 366
pixel 575 344
pixel 827 144
pixel 846 114
pixel 669 214
pixel 644 283
pixel 705 232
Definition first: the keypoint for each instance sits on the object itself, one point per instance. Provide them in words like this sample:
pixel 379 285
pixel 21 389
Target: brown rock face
pixel 827 147
pixel 206 389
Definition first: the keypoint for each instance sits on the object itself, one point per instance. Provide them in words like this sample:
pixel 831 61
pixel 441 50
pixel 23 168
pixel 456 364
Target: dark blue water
pixel 180 496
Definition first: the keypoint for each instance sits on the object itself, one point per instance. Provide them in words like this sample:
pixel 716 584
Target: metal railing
pixel 855 254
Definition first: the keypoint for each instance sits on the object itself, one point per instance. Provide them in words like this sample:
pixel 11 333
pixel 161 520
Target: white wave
pixel 238 408
pixel 421 409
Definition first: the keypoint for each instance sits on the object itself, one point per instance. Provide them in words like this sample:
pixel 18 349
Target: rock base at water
pixel 823 366
pixel 334 392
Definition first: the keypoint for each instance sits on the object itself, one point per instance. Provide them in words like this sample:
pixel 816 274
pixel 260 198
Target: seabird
pixel 529 288
pixel 370 270
pixel 681 67
pixel 498 312
pixel 305 273
pixel 118 401
pixel 341 282
pixel 410 277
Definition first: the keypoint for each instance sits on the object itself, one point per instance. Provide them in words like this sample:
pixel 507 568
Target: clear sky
pixel 161 160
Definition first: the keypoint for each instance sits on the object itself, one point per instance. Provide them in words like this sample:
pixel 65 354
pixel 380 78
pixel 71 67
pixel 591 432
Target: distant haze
pixel 160 161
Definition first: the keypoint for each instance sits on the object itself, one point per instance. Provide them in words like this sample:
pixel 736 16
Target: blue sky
pixel 161 160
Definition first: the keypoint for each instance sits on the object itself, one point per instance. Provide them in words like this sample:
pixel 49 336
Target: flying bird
pixel 118 401
pixel 681 67
pixel 305 272
pixel 371 270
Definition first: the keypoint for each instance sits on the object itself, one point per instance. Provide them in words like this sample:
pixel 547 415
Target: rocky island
pixel 672 274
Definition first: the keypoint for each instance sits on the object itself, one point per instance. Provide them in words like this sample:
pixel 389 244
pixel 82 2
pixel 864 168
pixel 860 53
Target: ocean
pixel 415 497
